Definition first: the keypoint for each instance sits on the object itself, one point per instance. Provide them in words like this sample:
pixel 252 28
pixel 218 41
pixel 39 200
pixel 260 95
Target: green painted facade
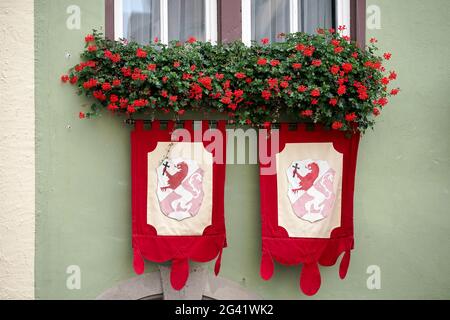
pixel 402 215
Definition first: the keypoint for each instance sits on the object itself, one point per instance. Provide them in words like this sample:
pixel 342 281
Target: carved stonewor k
pixel 177 196
pixel 307 203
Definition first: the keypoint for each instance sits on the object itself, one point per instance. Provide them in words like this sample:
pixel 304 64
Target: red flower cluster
pixel 206 82
pixel 113 57
pixel 88 64
pixel 141 53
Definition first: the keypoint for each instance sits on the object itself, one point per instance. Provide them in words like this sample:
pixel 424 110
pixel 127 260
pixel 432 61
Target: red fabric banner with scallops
pixel 307 186
pixel 178 177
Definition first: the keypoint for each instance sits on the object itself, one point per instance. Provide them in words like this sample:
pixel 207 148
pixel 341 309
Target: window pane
pixel 141 20
pixel 186 19
pixel 315 14
pixel 269 18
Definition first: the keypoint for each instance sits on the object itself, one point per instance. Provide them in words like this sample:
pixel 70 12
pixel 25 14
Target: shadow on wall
pixel 201 285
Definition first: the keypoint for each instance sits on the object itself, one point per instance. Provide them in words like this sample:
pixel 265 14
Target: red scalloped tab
pixel 267 267
pixel 310 279
pixel 343 267
pixel 218 263
pixel 138 262
pixel 179 273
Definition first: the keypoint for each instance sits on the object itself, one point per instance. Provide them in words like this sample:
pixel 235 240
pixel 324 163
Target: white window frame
pixel 210 21
pixel 342 18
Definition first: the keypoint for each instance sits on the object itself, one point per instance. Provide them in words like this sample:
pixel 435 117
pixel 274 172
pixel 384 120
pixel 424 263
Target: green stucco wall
pixel 402 216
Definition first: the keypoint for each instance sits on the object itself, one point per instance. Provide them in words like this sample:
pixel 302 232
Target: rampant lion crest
pixel 179 188
pixel 310 189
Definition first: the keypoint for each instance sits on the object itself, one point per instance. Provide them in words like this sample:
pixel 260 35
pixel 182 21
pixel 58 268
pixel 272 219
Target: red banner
pixel 178 179
pixel 307 202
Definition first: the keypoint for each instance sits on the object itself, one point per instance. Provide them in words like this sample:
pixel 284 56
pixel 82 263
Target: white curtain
pixel 272 17
pixel 186 19
pixel 269 18
pixel 315 14
pixel 141 20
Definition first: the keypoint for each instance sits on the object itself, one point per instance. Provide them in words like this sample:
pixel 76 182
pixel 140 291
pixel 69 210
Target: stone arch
pixel 201 285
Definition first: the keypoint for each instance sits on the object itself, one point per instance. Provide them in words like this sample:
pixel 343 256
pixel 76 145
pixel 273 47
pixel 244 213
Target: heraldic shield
pixel 178 178
pixel 307 201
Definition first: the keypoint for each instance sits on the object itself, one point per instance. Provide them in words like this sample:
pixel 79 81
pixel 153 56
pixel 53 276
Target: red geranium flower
pixel 342 90
pixel 334 69
pixel 151 67
pixel 225 100
pixel 238 93
pixel 116 82
pixel 232 106
pixel 81 115
pixel 90 84
pixel 261 61
pixel 112 107
pixel 176 64
pixel 219 76
pixel 73 79
pixel 274 63
pixel 284 84
pixel 141 53
pixel 333 102
pixel 309 51
pixel 297 66
pixel 335 42
pixel 240 75
pixel 347 67
pixel 99 95
pixel 385 81
pixel 337 125
pixel 387 55
pixel 92 48
pixel 266 94
pixel 315 93
pixel 392 75
pixel 89 38
pixel 316 63
pixel 113 98
pixel 394 92
pixel 300 47
pixel 307 113
pixel 376 112
pixel 191 40
pixel 338 50
pixel 265 40
pixel 302 88
pixel 350 117
pixel 106 86
pixel 193 67
pixel 64 78
pixel 173 98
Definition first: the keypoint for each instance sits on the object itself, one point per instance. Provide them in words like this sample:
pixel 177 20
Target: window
pixel 269 18
pixel 143 20
pixel 167 20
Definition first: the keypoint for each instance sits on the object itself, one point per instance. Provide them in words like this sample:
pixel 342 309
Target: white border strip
pixel 293 15
pixel 211 21
pixel 343 15
pixel 246 12
pixel 118 19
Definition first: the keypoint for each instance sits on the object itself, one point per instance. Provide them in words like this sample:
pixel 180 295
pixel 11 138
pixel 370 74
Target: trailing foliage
pixel 323 78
